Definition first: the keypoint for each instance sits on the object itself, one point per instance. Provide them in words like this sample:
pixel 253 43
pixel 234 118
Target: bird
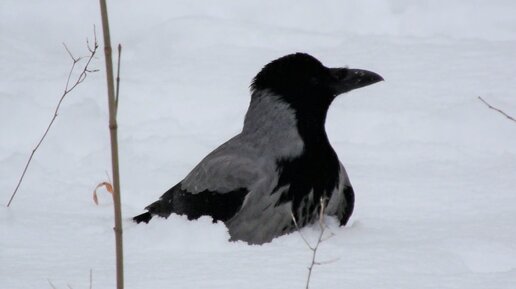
pixel 275 175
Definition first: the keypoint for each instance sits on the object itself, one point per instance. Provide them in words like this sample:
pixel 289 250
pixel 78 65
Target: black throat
pixel 316 170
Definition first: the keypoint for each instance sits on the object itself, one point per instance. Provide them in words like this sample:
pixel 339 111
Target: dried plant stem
pixel 91 278
pixel 67 90
pixel 51 284
pixel 70 286
pixel 298 229
pixel 497 109
pixel 320 239
pixel 112 103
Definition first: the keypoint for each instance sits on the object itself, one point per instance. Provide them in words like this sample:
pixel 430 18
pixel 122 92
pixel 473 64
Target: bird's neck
pixel 271 118
pixel 269 113
pixel 311 125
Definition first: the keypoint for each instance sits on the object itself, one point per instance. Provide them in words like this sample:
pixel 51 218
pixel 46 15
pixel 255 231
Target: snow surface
pixel 434 170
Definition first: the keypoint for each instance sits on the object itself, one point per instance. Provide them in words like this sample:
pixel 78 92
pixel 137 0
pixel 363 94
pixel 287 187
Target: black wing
pixel 220 206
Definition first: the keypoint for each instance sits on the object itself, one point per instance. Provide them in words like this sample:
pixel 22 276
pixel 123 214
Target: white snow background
pixel 433 168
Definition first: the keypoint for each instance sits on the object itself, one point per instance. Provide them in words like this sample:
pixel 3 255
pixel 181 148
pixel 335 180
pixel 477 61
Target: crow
pixel 280 167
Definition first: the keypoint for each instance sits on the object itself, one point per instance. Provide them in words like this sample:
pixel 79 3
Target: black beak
pixel 347 79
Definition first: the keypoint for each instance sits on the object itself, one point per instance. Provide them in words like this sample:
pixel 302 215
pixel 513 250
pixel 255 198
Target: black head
pixel 302 80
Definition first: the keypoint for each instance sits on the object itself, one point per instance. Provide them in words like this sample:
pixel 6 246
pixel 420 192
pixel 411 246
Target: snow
pixel 433 168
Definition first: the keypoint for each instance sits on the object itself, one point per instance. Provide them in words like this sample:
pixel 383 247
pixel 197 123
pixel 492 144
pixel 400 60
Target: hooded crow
pixel 281 165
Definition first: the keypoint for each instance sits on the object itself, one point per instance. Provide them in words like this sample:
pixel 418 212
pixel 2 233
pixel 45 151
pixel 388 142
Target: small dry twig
pixel 497 109
pixel 91 278
pixel 67 90
pixel 320 239
pixel 70 286
pixel 300 234
pixel 51 284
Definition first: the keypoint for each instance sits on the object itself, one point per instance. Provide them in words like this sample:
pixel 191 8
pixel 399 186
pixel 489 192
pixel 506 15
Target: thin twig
pixel 299 231
pixel 71 69
pixel 327 261
pixel 75 60
pixel 497 109
pixel 51 285
pixel 91 278
pixel 70 286
pixel 67 90
pixel 319 240
pixel 94 37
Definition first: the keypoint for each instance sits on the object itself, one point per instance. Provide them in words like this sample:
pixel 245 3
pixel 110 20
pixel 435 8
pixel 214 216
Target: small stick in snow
pixel 113 133
pixel 299 231
pixel 320 239
pixel 70 286
pixel 91 278
pixel 497 109
pixel 67 90
pixel 51 284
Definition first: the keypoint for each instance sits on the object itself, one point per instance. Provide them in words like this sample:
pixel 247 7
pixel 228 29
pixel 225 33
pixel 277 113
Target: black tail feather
pixel 220 206
pixel 145 217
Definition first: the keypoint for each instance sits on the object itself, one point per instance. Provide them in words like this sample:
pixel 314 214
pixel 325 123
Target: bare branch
pixel 70 286
pixel 91 278
pixel 51 285
pixel 320 239
pixel 67 90
pixel 497 109
pixel 327 261
pixel 299 231
pixel 69 76
pixel 70 53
